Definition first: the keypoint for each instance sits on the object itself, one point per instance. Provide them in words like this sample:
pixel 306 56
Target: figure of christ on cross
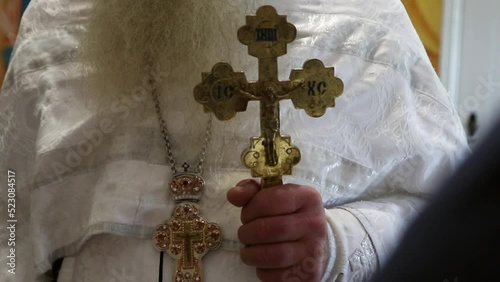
pixel 270 117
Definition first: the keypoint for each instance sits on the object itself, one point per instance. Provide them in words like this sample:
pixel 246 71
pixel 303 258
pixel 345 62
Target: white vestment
pixel 90 188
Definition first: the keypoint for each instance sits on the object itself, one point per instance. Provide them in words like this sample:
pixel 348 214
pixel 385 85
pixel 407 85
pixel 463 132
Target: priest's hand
pixel 284 231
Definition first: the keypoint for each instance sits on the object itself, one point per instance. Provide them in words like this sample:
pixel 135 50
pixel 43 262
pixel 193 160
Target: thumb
pixel 243 192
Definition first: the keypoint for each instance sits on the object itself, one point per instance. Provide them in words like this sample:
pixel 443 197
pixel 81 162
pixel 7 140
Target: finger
pixel 244 191
pixel 279 255
pixel 308 271
pixel 272 274
pixel 281 200
pixel 275 229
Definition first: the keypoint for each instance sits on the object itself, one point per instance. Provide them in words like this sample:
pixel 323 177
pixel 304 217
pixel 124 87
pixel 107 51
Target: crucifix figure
pixel 224 92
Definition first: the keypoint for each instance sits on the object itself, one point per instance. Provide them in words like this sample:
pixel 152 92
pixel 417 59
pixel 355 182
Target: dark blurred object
pixel 472 127
pixel 456 238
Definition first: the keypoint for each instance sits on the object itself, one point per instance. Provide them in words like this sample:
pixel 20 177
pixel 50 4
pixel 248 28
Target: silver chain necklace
pixel 186 236
pixel 168 146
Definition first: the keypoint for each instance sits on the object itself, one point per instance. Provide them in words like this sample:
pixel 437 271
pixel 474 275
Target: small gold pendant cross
pixel 225 92
pixel 187 237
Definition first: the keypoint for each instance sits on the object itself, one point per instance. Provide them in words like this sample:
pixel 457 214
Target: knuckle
pixel 245 215
pixel 263 228
pixel 242 232
pixel 315 255
pixel 317 224
pixel 247 257
pixel 314 197
pixel 273 257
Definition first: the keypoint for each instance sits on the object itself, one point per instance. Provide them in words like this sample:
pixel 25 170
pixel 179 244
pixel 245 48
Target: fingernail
pixel 239 188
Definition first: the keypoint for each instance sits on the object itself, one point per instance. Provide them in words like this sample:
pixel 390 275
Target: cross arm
pixel 224 92
pixel 318 89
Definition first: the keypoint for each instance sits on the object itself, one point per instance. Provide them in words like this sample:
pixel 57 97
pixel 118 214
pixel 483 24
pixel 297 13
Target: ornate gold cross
pixel 187 236
pixel 225 92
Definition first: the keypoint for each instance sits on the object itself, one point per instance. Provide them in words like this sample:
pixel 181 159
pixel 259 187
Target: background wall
pixel 427 16
pixel 479 73
pixel 10 14
pixel 462 38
